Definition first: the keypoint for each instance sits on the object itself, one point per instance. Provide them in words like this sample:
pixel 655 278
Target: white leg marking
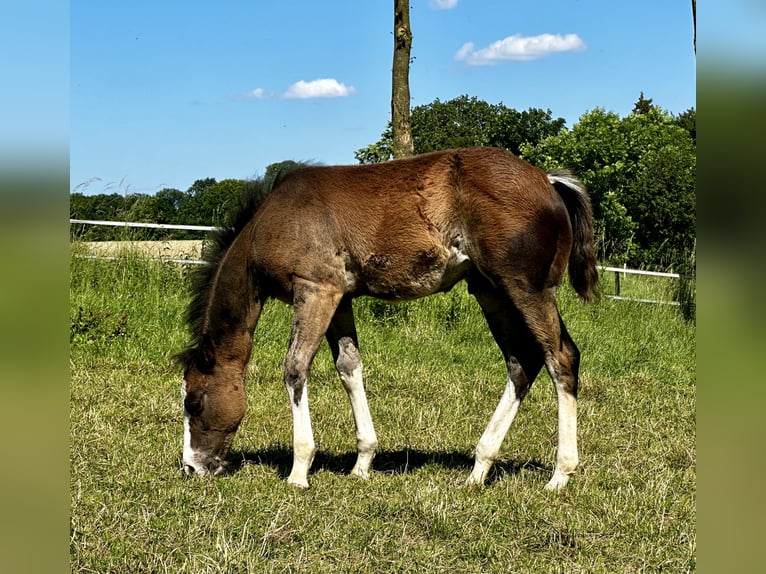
pixel 566 454
pixel 366 439
pixel 488 448
pixel 188 453
pixel 303 439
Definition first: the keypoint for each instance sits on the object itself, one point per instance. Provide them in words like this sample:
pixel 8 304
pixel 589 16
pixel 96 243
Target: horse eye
pixel 194 402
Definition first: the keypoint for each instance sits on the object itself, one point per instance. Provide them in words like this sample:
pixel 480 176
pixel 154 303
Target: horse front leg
pixel 304 446
pixel 342 339
pixel 314 306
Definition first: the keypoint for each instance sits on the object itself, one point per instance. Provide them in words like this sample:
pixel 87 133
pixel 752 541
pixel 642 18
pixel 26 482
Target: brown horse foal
pixel 397 231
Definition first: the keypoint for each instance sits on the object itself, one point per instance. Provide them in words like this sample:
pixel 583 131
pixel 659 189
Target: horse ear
pixel 206 355
pixel 194 402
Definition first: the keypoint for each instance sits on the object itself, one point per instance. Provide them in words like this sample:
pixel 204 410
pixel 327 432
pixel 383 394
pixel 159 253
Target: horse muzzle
pixel 210 466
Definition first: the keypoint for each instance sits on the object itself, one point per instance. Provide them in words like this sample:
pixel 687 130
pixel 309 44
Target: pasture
pixel 433 377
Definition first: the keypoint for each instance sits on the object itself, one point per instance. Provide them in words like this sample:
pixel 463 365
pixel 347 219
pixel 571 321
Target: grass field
pixel 433 378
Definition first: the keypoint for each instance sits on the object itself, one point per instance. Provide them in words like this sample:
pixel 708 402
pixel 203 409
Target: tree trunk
pixel 694 17
pixel 400 82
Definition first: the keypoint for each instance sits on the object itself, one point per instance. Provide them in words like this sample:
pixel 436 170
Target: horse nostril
pixel 189 470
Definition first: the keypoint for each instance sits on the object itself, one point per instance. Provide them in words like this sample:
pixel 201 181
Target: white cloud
pixel 519 48
pixel 257 93
pixel 321 88
pixel 301 90
pixel 442 4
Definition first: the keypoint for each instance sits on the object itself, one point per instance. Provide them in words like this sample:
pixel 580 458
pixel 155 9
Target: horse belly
pixel 399 276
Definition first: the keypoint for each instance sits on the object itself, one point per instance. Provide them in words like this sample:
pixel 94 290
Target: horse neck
pixel 233 306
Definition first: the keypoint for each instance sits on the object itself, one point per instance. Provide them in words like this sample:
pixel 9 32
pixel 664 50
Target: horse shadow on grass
pixel 394 462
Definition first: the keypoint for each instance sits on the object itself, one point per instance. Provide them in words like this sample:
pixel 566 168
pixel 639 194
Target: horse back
pixel 407 228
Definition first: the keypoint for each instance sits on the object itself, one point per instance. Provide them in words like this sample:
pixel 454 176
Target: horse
pixel 316 237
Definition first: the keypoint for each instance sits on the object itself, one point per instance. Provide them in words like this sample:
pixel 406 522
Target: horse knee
pixel 295 379
pixel 349 359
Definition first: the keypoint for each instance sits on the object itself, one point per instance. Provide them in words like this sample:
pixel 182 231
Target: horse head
pixel 214 404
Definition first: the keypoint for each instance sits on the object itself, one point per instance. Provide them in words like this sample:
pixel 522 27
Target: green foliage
pixel 462 122
pixel 101 207
pixel 206 202
pixel 643 105
pixel 466 122
pixel 662 199
pixel 641 174
pixel 688 121
pixel 514 129
pixel 210 201
pixel 432 388
pixel 380 151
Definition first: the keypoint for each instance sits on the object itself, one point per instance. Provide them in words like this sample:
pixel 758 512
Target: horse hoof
pixel 360 474
pixel 472 481
pixel 557 483
pixel 299 484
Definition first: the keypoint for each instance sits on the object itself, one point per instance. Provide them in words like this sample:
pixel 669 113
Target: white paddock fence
pixel 622 271
pixel 145 225
pixel 618 271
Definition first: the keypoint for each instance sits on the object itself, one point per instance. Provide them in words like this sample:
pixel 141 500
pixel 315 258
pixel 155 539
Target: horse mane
pixel 215 247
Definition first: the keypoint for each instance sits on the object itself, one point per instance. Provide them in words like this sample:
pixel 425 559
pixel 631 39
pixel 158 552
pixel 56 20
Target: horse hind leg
pixel 562 361
pixel 563 368
pixel 488 447
pixel 523 362
pixel 344 346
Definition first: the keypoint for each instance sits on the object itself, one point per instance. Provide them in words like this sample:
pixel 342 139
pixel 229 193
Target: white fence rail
pixel 618 287
pixel 160 259
pixel 145 225
pixel 618 271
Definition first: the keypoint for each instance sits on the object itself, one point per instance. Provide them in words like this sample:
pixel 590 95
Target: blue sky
pixel 166 92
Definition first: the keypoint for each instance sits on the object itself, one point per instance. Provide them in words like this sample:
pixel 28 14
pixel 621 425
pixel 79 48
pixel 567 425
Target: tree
pixel 467 121
pixel 79 206
pixel 688 121
pixel 142 208
pixel 400 82
pixel 640 172
pixel 643 105
pixel 594 150
pixel 101 207
pixel 461 122
pixel 380 151
pixel 694 19
pixel 215 202
pixel 193 212
pixel 511 129
pixel 170 205
pixel 662 200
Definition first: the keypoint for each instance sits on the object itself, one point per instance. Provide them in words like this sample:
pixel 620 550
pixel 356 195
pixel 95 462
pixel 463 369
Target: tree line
pixel 640 171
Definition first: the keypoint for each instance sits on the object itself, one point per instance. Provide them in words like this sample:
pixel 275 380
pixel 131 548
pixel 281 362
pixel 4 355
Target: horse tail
pixel 583 273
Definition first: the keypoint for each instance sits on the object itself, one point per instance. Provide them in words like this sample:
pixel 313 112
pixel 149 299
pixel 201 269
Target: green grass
pixel 433 377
